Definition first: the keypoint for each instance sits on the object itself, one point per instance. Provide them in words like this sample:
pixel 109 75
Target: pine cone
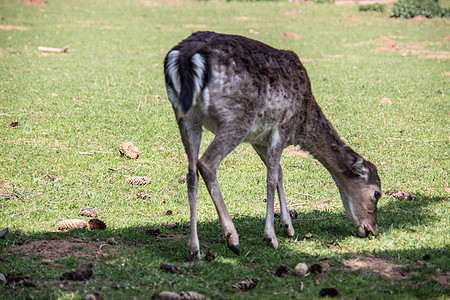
pixel 88 212
pixel 138 180
pixel 246 284
pixel 72 223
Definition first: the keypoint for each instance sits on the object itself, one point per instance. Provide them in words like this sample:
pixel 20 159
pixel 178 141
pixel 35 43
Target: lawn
pixel 382 82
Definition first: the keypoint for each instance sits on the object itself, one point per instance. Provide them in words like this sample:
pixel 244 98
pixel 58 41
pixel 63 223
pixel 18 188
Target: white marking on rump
pixel 199 68
pixel 274 139
pixel 205 103
pixel 172 69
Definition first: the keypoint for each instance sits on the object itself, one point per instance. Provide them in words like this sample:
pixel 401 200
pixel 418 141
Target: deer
pixel 245 91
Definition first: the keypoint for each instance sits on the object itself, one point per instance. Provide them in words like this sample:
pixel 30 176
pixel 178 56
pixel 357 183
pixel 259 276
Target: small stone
pixel 301 269
pixel 90 297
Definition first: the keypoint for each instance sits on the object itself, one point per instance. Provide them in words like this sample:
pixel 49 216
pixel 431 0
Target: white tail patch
pixel 199 68
pixel 172 69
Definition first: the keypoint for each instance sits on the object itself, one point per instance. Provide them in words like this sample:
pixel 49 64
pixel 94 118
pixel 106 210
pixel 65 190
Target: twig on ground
pixel 412 140
pixel 26 212
pixel 53 50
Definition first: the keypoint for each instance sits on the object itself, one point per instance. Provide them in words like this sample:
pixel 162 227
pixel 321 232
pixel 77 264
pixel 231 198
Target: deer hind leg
pixel 223 143
pixel 274 174
pixel 191 136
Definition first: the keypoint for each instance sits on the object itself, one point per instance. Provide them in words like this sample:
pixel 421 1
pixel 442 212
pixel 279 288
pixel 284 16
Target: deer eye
pixel 377 195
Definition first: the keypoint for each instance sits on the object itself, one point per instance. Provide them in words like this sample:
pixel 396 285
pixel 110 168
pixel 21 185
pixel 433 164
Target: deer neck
pixel 322 141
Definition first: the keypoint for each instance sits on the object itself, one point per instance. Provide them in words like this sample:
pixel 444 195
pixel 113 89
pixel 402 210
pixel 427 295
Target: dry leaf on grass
pixel 129 150
pixel 385 101
pixel 290 35
pixel 53 177
pixel 401 195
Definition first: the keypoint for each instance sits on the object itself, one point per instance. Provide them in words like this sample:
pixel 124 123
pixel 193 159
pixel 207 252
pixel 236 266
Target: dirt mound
pixel 60 248
pixel 370 264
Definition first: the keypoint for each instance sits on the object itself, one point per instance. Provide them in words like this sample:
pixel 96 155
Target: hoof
pixel 194 255
pixel 235 249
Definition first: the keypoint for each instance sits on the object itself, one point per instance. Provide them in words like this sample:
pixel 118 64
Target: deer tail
pixel 186 77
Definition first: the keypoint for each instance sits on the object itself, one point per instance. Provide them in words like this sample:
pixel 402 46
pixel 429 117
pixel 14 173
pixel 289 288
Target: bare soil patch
pixel 295 151
pixel 374 265
pixel 34 3
pixel 60 248
pixel 12 27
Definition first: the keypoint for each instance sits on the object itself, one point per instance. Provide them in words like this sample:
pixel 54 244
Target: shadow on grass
pixel 141 250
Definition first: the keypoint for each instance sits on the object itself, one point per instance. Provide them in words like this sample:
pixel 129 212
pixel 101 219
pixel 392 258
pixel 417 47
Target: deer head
pixel 360 190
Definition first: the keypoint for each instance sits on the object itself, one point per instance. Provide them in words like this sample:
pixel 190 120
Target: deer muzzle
pixel 365 229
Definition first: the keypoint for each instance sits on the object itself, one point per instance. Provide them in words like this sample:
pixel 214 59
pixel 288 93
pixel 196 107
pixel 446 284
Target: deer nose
pixel 365 229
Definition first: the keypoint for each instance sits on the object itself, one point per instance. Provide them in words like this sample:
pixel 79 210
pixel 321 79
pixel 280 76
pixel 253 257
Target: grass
pixel 109 89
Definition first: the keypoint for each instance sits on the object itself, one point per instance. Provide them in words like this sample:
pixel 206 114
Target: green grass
pixel 109 89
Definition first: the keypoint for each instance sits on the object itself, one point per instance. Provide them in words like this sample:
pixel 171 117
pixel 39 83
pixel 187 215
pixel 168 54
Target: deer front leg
pixel 269 228
pixel 286 223
pixel 285 217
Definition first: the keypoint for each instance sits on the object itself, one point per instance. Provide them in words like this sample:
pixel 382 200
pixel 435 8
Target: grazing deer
pixel 245 91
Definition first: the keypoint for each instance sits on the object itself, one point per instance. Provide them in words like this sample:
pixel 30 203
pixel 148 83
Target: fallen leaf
pixel 447 189
pixel 385 101
pixel 308 235
pixel 129 150
pixel 14 125
pixel 290 35
pixel 53 177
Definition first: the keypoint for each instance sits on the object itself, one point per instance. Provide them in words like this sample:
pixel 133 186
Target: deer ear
pixel 355 162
